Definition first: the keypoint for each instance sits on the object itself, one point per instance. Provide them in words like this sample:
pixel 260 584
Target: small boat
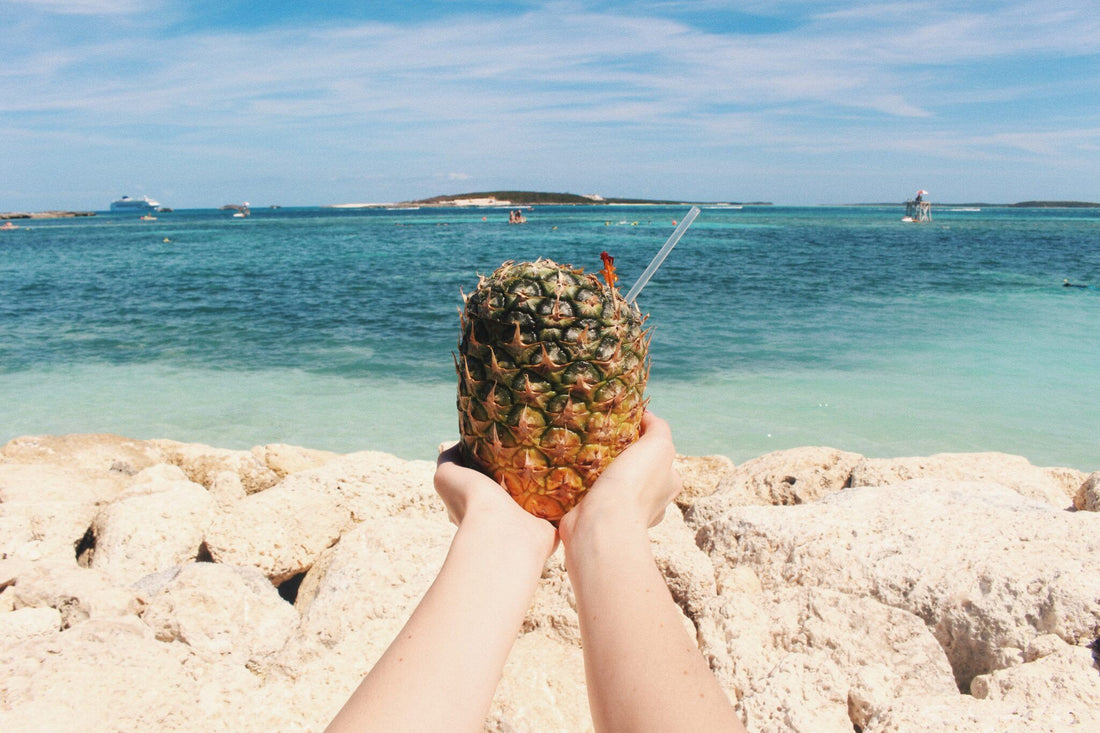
pixel 148 217
pixel 240 210
pixel 918 210
pixel 8 226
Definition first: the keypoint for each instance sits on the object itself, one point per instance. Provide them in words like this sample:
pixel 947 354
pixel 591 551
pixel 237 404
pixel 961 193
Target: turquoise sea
pixel 774 327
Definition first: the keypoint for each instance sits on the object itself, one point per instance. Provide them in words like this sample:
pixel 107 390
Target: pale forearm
pixel 441 671
pixel 645 672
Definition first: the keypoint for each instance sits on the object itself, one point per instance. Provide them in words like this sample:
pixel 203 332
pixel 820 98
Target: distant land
pixel 44 214
pixel 542 198
pixel 1020 205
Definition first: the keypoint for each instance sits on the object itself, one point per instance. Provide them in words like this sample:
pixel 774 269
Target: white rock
pixel 984 567
pixel 1050 485
pixel 542 688
pixel 801 651
pixel 701 476
pixel 803 692
pixel 280 532
pixel 1087 498
pixel 965 714
pixel 78 594
pixel 287 459
pixel 795 476
pixel 151 479
pixel 203 464
pixel 553 610
pixel 380 569
pixel 372 485
pixel 1067 675
pixel 113 676
pixel 27 623
pixel 20 483
pixel 155 525
pixel 221 611
pixel 686 569
pixel 107 460
pixel 57 529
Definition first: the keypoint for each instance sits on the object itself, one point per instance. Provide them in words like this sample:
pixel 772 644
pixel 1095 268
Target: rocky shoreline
pixel 44 214
pixel 157 585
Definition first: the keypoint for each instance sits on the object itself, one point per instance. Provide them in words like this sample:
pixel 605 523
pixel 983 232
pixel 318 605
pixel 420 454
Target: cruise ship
pixel 142 205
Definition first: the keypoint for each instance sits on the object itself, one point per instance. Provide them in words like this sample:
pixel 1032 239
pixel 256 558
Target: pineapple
pixel 552 367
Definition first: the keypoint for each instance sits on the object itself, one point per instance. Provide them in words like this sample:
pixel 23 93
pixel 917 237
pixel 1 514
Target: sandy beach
pixel 158 585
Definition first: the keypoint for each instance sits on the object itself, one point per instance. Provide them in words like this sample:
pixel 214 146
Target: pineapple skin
pixel 552 367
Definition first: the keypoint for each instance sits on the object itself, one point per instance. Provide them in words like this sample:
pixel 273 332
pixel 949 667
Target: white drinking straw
pixel 660 257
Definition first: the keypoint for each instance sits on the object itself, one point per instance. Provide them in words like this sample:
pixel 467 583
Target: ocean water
pixel 773 327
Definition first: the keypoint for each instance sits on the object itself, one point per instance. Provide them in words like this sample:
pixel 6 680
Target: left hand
pixel 470 495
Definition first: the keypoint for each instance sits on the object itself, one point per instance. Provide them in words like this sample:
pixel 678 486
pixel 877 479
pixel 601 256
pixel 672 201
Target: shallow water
pixel 774 327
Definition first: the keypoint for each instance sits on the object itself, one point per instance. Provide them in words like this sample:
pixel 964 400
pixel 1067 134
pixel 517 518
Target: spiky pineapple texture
pixel 552 367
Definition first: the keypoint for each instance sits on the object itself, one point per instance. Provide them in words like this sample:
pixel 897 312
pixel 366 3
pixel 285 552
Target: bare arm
pixel 644 671
pixel 441 671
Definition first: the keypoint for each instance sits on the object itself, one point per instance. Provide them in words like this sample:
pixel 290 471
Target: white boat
pixel 240 210
pixel 143 204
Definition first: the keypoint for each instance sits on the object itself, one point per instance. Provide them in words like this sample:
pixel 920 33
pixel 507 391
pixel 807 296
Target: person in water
pixel 643 670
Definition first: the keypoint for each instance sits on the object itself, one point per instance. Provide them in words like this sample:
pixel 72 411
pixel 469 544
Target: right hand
pixel 637 487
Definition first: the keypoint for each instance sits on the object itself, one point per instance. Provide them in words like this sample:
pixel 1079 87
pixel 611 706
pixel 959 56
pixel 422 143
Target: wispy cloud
pixel 85 7
pixel 540 85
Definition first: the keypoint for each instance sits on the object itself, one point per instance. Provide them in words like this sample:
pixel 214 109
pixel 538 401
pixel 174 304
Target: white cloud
pixel 552 86
pixel 86 7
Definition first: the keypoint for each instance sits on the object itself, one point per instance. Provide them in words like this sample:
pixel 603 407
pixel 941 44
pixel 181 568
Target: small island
pixel 44 214
pixel 540 198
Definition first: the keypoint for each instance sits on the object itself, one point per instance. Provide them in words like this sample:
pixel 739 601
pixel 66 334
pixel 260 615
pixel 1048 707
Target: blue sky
pixel 202 103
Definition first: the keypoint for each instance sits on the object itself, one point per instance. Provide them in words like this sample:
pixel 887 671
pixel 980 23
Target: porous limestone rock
pixel 789 653
pixel 379 569
pixel 983 566
pixel 112 675
pixel 553 610
pixel 29 623
pixel 32 483
pixel 863 607
pixel 106 459
pixel 1087 498
pixel 787 477
pixel 966 714
pixel 280 531
pixel 1053 485
pixel 221 611
pixel 44 530
pixel 370 484
pixel 1070 674
pixel 77 593
pixel 157 523
pixel 686 569
pixel 286 459
pixel 701 476
pixel 542 688
pixel 204 464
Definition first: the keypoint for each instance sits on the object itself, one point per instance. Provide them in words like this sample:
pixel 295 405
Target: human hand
pixel 637 486
pixel 471 496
